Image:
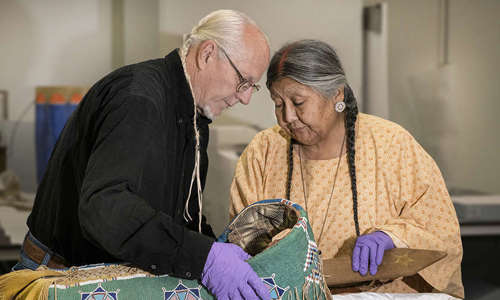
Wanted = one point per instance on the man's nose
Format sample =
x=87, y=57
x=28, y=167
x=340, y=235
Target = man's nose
x=244, y=97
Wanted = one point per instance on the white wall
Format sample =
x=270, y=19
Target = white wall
x=413, y=41
x=452, y=110
x=375, y=66
x=141, y=30
x=334, y=21
x=53, y=42
x=475, y=53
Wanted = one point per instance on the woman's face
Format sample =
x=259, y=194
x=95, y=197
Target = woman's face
x=302, y=112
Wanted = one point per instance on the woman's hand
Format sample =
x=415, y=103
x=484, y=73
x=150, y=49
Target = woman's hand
x=369, y=248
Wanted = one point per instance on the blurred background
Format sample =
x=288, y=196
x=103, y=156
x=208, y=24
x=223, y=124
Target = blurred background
x=429, y=65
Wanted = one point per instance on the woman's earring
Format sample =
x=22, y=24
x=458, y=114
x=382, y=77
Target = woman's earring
x=340, y=106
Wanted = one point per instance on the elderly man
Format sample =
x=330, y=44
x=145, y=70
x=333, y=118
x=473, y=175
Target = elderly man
x=125, y=179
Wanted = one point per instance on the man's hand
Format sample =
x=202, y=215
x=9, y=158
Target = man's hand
x=228, y=276
x=369, y=248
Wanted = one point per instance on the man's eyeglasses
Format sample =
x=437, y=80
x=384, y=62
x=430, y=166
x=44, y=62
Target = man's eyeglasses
x=244, y=84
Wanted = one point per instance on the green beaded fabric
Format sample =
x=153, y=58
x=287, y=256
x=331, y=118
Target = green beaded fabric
x=275, y=232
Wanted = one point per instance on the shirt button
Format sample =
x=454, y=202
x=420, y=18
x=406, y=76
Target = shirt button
x=153, y=267
x=188, y=274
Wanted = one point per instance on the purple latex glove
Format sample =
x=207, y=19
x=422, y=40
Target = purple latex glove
x=369, y=248
x=228, y=276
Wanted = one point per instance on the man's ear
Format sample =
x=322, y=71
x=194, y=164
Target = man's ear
x=206, y=54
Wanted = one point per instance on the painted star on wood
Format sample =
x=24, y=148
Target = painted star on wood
x=404, y=259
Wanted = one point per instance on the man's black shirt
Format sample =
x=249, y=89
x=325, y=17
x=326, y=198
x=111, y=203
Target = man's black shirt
x=118, y=178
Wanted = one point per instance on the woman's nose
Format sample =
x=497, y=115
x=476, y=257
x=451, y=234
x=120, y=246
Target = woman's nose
x=289, y=114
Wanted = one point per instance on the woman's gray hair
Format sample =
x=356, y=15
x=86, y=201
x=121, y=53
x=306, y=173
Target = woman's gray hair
x=224, y=26
x=310, y=62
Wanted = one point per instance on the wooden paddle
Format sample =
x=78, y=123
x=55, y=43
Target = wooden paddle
x=397, y=262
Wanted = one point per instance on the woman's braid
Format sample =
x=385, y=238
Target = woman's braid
x=350, y=125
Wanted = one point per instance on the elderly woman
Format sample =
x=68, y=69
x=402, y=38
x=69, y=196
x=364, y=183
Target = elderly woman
x=360, y=178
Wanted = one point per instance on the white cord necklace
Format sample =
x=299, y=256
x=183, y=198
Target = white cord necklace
x=331, y=193
x=196, y=168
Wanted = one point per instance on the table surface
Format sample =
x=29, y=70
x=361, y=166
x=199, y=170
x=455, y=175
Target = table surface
x=384, y=296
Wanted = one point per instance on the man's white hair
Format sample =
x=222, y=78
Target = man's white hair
x=224, y=26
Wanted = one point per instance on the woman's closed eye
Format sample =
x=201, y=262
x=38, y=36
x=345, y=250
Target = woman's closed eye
x=298, y=102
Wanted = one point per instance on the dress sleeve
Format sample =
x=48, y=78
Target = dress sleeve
x=247, y=185
x=112, y=213
x=423, y=216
